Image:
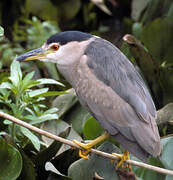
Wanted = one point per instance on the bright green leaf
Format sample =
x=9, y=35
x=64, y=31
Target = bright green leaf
x=1, y=31
x=38, y=92
x=6, y=85
x=15, y=73
x=33, y=138
x=29, y=76
x=92, y=128
x=52, y=110
x=7, y=122
x=49, y=81
x=53, y=93
x=43, y=118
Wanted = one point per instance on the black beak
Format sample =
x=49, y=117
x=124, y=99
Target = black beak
x=32, y=55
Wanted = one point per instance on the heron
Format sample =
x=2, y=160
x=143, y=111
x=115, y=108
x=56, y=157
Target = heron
x=109, y=86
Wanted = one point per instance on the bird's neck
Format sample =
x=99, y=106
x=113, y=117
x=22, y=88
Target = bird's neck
x=69, y=73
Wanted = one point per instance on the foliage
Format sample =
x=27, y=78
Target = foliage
x=1, y=31
x=32, y=97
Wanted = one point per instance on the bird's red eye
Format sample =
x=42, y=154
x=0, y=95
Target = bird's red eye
x=55, y=47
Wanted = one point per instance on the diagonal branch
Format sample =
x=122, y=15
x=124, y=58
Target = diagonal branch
x=70, y=143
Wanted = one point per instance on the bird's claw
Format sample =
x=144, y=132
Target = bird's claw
x=122, y=163
x=87, y=148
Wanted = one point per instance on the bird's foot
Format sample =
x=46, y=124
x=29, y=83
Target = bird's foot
x=122, y=163
x=87, y=147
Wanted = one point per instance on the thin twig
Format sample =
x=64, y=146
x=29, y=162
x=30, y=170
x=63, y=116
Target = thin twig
x=70, y=143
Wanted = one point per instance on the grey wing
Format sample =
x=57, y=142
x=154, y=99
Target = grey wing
x=119, y=98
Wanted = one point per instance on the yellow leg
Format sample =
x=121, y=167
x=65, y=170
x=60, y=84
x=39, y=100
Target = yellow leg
x=87, y=147
x=123, y=158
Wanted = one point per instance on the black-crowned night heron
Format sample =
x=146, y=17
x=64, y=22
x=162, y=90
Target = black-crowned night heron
x=108, y=85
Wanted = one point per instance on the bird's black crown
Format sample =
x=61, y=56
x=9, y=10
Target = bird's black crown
x=68, y=36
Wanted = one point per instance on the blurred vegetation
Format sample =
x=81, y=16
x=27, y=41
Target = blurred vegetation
x=38, y=94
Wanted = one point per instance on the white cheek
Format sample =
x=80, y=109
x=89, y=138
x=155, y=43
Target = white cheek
x=66, y=55
x=44, y=60
x=53, y=57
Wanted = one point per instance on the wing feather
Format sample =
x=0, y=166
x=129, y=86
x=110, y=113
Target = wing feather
x=117, y=97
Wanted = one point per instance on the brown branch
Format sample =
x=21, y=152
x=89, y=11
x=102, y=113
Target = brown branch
x=70, y=143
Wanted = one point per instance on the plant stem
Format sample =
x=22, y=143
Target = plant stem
x=13, y=130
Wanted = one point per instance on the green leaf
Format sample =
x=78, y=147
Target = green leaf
x=52, y=70
x=50, y=152
x=28, y=170
x=49, y=81
x=158, y=38
x=1, y=31
x=6, y=85
x=148, y=66
x=43, y=118
x=77, y=117
x=15, y=73
x=38, y=92
x=7, y=122
x=50, y=167
x=33, y=138
x=52, y=110
x=137, y=8
x=92, y=128
x=166, y=156
x=65, y=102
x=28, y=77
x=86, y=169
x=55, y=127
x=168, y=177
x=149, y=174
x=10, y=160
x=72, y=135
x=52, y=93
